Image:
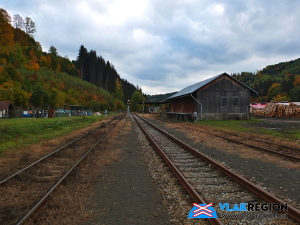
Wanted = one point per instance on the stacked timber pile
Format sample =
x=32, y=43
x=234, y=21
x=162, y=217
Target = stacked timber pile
x=277, y=110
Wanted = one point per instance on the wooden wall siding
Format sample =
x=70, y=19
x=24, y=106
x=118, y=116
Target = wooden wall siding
x=176, y=105
x=183, y=105
x=210, y=96
x=188, y=104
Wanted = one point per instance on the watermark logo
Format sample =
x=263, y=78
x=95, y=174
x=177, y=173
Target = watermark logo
x=236, y=207
x=202, y=211
x=239, y=210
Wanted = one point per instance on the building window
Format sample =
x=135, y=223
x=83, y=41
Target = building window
x=223, y=101
x=235, y=101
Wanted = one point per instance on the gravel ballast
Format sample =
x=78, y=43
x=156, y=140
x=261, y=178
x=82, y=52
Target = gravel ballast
x=283, y=182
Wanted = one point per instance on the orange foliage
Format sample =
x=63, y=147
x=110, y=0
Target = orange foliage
x=61, y=85
x=7, y=33
x=45, y=61
x=282, y=97
x=288, y=75
x=33, y=66
x=3, y=61
x=21, y=37
x=33, y=63
x=296, y=81
x=58, y=68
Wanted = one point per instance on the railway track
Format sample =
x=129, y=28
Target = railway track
x=210, y=182
x=23, y=192
x=285, y=151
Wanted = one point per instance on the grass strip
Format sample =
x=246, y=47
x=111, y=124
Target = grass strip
x=229, y=125
x=19, y=132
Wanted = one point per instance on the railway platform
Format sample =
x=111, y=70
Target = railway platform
x=126, y=193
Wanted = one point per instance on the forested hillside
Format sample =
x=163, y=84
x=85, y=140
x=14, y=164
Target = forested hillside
x=103, y=74
x=279, y=82
x=30, y=77
x=159, y=97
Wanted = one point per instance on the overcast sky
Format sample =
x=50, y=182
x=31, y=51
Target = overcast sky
x=166, y=45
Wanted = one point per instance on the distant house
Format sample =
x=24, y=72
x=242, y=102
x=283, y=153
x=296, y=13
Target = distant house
x=6, y=109
x=154, y=109
x=219, y=97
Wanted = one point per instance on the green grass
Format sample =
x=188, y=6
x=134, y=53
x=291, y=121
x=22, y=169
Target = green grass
x=229, y=125
x=285, y=134
x=19, y=132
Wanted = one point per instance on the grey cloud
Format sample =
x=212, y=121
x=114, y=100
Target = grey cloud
x=172, y=39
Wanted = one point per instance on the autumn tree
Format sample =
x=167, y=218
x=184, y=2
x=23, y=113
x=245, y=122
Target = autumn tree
x=13, y=91
x=296, y=81
x=282, y=97
x=33, y=61
x=29, y=26
x=274, y=90
x=18, y=24
x=6, y=30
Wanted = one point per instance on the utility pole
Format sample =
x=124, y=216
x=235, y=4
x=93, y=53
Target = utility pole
x=128, y=110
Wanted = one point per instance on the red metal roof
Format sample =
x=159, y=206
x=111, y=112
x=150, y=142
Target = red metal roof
x=5, y=105
x=260, y=105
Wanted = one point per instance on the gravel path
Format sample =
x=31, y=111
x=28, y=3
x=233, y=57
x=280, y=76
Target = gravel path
x=283, y=182
x=126, y=193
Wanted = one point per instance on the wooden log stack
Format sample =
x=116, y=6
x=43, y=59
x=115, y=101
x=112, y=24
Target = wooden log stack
x=277, y=110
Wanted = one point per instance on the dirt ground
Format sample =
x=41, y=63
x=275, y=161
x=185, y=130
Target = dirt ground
x=282, y=125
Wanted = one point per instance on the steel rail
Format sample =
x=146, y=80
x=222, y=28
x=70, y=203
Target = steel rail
x=27, y=216
x=190, y=189
x=256, y=147
x=40, y=160
x=260, y=148
x=45, y=157
x=292, y=211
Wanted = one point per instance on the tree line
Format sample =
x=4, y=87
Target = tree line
x=278, y=82
x=159, y=97
x=96, y=70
